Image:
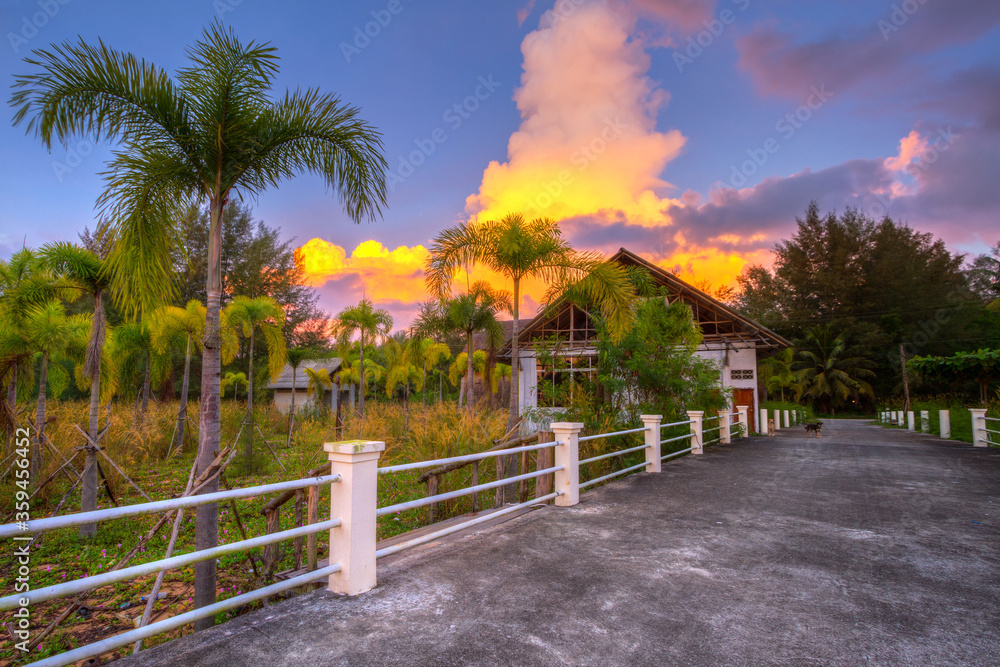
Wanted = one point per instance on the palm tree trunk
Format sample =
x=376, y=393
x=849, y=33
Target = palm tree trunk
x=510, y=461
x=249, y=450
x=423, y=393
x=361, y=399
x=291, y=411
x=515, y=376
x=88, y=488
x=183, y=409
x=207, y=516
x=470, y=382
x=36, y=453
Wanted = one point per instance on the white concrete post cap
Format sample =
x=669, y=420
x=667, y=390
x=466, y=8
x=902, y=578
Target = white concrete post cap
x=354, y=447
x=566, y=426
x=695, y=413
x=651, y=418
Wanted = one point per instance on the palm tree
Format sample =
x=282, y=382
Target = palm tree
x=233, y=380
x=319, y=381
x=135, y=358
x=24, y=283
x=86, y=271
x=247, y=316
x=55, y=337
x=831, y=370
x=778, y=374
x=519, y=249
x=210, y=134
x=367, y=321
x=424, y=352
x=170, y=325
x=472, y=312
x=294, y=357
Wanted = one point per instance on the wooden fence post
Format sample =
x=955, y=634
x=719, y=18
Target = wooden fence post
x=545, y=458
x=312, y=516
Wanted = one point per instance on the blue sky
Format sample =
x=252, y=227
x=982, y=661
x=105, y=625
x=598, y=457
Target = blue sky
x=703, y=87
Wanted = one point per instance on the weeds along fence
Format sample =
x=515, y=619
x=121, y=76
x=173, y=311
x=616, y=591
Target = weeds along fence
x=558, y=465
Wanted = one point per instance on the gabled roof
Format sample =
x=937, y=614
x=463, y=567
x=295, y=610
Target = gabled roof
x=718, y=322
x=284, y=380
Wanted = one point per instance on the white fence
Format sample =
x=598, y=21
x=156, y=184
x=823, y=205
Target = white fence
x=985, y=430
x=354, y=512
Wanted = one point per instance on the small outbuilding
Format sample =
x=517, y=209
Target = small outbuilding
x=282, y=387
x=729, y=339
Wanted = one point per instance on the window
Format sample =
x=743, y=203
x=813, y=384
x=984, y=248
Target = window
x=559, y=380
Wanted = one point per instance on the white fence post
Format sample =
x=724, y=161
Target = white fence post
x=567, y=455
x=353, y=499
x=743, y=420
x=762, y=428
x=652, y=435
x=788, y=422
x=795, y=416
x=696, y=440
x=911, y=423
x=725, y=431
x=900, y=418
x=978, y=427
x=925, y=421
x=945, y=417
x=777, y=419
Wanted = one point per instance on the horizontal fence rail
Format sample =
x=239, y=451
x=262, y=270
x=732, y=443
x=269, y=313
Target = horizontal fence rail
x=430, y=537
x=172, y=563
x=673, y=454
x=622, y=452
x=683, y=423
x=81, y=518
x=611, y=435
x=181, y=620
x=679, y=437
x=421, y=502
x=466, y=458
x=623, y=471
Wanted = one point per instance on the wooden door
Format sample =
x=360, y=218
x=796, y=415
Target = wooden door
x=745, y=397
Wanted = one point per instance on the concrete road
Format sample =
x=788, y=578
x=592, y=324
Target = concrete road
x=867, y=547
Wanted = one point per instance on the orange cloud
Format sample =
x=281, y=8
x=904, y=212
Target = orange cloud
x=910, y=147
x=388, y=275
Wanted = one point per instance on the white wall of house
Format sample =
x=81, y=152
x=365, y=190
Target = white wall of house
x=743, y=360
x=283, y=400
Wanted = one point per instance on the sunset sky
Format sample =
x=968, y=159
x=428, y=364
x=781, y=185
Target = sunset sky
x=691, y=132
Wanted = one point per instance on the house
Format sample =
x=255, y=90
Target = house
x=282, y=387
x=729, y=339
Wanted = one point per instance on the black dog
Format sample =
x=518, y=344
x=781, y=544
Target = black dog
x=815, y=427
